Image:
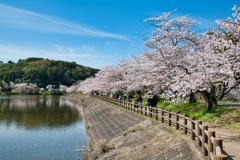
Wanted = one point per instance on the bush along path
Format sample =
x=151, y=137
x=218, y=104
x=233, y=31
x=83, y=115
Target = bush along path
x=115, y=133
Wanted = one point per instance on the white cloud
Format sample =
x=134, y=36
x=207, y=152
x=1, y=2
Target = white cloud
x=85, y=50
x=22, y=19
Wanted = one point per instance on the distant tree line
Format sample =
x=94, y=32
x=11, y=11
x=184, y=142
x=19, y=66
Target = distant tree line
x=44, y=72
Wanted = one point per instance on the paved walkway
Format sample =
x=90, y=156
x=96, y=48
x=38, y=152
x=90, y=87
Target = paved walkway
x=230, y=104
x=116, y=133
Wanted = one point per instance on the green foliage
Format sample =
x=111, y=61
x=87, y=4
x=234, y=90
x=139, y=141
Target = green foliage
x=193, y=110
x=31, y=92
x=44, y=71
x=220, y=115
x=138, y=128
x=144, y=102
x=56, y=92
x=106, y=147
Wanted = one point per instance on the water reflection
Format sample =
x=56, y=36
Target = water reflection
x=41, y=128
x=38, y=111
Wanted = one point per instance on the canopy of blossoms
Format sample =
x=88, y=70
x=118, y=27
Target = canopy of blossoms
x=178, y=61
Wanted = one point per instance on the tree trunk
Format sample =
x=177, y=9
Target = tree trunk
x=222, y=93
x=139, y=92
x=225, y=91
x=192, y=98
x=208, y=100
x=213, y=95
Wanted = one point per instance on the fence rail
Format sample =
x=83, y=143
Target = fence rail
x=211, y=145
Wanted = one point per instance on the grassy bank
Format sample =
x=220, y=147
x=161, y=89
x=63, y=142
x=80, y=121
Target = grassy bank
x=220, y=115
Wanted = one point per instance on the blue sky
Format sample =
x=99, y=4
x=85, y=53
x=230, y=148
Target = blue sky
x=94, y=33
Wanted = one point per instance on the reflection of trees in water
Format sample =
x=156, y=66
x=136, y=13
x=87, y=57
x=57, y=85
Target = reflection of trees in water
x=68, y=102
x=38, y=111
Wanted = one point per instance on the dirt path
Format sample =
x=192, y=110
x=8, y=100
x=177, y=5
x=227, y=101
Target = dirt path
x=116, y=133
x=231, y=140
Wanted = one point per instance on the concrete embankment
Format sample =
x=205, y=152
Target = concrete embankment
x=115, y=133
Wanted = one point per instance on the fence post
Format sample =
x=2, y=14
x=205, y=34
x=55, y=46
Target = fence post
x=204, y=140
x=193, y=129
x=150, y=113
x=185, y=123
x=218, y=142
x=169, y=117
x=221, y=157
x=162, y=115
x=210, y=144
x=156, y=111
x=177, y=121
x=199, y=133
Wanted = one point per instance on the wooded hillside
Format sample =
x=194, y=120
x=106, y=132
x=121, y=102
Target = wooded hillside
x=44, y=71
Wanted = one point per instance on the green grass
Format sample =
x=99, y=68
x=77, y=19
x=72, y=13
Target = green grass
x=225, y=116
x=133, y=130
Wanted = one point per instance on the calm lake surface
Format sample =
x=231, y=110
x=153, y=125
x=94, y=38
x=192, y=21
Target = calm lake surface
x=40, y=128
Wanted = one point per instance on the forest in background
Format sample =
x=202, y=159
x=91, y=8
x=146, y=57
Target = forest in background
x=44, y=72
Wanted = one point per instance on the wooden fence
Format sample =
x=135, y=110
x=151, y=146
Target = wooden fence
x=211, y=145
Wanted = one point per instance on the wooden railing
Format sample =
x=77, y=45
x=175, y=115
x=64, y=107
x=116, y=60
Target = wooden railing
x=211, y=145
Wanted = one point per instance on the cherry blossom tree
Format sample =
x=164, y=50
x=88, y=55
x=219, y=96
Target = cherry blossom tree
x=87, y=86
x=196, y=64
x=229, y=46
x=154, y=70
x=25, y=88
x=219, y=60
x=172, y=40
x=63, y=88
x=72, y=89
x=50, y=87
x=178, y=62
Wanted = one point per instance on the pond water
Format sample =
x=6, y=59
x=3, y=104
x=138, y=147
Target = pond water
x=41, y=128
